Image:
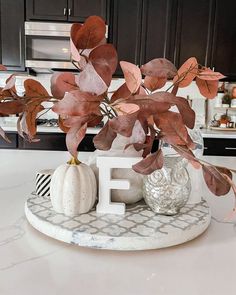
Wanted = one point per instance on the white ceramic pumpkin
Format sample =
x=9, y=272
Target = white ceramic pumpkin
x=73, y=188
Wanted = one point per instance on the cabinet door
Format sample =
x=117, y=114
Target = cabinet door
x=9, y=145
x=126, y=30
x=46, y=10
x=79, y=10
x=194, y=21
x=224, y=39
x=12, y=34
x=158, y=22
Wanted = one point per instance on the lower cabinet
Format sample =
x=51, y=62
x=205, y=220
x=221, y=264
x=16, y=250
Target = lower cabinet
x=47, y=141
x=9, y=145
x=220, y=147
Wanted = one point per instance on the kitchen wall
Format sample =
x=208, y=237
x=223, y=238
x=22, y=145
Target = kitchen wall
x=198, y=101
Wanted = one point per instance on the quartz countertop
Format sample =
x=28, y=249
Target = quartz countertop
x=206, y=133
x=32, y=263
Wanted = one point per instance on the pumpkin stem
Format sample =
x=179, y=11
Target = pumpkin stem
x=73, y=161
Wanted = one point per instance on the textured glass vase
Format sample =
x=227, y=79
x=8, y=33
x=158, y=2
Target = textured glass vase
x=167, y=190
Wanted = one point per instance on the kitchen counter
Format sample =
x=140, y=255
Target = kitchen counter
x=206, y=133
x=32, y=263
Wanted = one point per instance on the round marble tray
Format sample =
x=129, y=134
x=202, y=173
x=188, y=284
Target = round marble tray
x=138, y=229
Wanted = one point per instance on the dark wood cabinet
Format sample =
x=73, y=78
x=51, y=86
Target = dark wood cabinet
x=65, y=10
x=223, y=57
x=12, y=34
x=158, y=29
x=220, y=147
x=125, y=30
x=9, y=145
x=55, y=10
x=79, y=10
x=193, y=31
x=55, y=142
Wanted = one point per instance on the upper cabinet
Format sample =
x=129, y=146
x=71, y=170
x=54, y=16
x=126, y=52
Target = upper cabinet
x=158, y=23
x=65, y=10
x=193, y=31
x=12, y=34
x=55, y=10
x=223, y=56
x=125, y=30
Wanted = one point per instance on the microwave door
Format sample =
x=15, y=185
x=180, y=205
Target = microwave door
x=47, y=46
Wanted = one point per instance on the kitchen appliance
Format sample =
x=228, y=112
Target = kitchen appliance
x=48, y=45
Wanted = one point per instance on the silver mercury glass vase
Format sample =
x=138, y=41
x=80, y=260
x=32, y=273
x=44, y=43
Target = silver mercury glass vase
x=167, y=190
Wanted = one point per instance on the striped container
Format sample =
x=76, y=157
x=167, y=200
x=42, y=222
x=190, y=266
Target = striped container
x=43, y=179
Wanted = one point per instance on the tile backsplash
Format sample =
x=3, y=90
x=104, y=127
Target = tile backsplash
x=198, y=101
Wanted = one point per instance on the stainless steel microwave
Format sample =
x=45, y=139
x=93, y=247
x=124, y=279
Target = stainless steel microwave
x=48, y=45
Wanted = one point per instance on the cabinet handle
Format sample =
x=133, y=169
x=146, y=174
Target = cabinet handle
x=64, y=11
x=230, y=148
x=205, y=148
x=69, y=11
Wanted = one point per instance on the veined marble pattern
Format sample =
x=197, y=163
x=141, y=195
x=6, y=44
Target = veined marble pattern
x=139, y=228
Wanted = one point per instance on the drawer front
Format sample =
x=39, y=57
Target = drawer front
x=12, y=145
x=220, y=147
x=56, y=142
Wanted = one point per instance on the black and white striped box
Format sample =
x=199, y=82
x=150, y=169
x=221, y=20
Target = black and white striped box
x=43, y=180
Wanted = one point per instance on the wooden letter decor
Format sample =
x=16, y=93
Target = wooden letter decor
x=105, y=165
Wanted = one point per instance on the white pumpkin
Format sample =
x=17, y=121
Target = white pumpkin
x=73, y=188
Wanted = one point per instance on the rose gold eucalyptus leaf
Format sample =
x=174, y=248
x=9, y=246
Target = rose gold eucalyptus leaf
x=154, y=83
x=132, y=75
x=186, y=73
x=90, y=81
x=215, y=180
x=91, y=33
x=151, y=163
x=104, y=139
x=62, y=83
x=159, y=67
x=207, y=88
x=74, y=137
x=35, y=89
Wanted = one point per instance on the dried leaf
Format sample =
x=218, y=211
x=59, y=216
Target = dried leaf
x=31, y=113
x=35, y=89
x=104, y=56
x=91, y=33
x=187, y=113
x=62, y=83
x=74, y=137
x=215, y=181
x=104, y=139
x=124, y=124
x=126, y=108
x=121, y=92
x=10, y=83
x=187, y=72
x=132, y=75
x=186, y=153
x=154, y=83
x=150, y=163
x=90, y=81
x=61, y=125
x=208, y=74
x=2, y=68
x=172, y=128
x=73, y=31
x=159, y=67
x=11, y=107
x=77, y=103
x=3, y=134
x=207, y=88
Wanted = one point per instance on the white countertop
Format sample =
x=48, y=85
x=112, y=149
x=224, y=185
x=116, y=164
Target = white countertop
x=31, y=263
x=206, y=133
